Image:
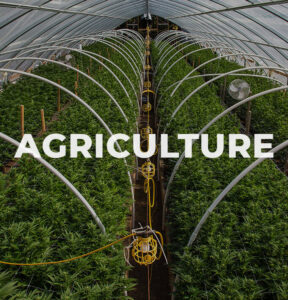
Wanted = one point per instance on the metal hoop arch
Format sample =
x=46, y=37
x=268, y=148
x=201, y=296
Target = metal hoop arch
x=217, y=58
x=93, y=58
x=208, y=75
x=178, y=60
x=60, y=176
x=102, y=122
x=116, y=38
x=81, y=51
x=228, y=188
x=212, y=80
x=187, y=46
x=75, y=70
x=88, y=54
x=221, y=196
x=179, y=161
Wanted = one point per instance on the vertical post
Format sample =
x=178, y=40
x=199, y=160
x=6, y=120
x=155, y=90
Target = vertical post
x=88, y=71
x=59, y=97
x=248, y=118
x=76, y=88
x=22, y=119
x=43, y=121
x=77, y=73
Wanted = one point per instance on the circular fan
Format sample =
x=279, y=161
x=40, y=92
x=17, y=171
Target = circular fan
x=239, y=89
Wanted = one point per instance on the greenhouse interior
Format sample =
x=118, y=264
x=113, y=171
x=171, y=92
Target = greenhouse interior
x=144, y=149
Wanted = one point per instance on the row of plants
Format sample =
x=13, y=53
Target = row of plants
x=241, y=251
x=41, y=220
x=269, y=112
x=36, y=95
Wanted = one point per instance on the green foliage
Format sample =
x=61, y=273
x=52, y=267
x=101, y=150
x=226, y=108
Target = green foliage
x=269, y=113
x=241, y=251
x=41, y=220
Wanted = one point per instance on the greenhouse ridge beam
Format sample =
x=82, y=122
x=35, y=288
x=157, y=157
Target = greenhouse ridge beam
x=233, y=9
x=55, y=10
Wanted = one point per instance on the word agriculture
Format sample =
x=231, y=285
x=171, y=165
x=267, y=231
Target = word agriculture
x=81, y=143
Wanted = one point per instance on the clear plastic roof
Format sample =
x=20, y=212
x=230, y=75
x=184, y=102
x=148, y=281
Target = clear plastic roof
x=254, y=26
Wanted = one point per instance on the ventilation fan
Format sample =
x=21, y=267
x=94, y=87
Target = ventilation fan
x=239, y=89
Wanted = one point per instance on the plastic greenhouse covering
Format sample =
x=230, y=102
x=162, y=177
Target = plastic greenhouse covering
x=105, y=193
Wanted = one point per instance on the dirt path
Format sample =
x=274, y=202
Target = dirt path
x=158, y=272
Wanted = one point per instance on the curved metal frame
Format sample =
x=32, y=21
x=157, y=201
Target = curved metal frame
x=179, y=59
x=179, y=161
x=70, y=186
x=212, y=80
x=126, y=39
x=76, y=50
x=137, y=47
x=87, y=54
x=93, y=58
x=228, y=189
x=62, y=40
x=117, y=48
x=125, y=55
x=114, y=46
x=187, y=46
x=217, y=58
x=174, y=37
x=102, y=122
x=75, y=70
x=100, y=35
x=208, y=75
x=225, y=25
x=168, y=50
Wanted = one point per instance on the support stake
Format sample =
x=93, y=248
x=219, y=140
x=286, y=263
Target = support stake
x=77, y=73
x=43, y=121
